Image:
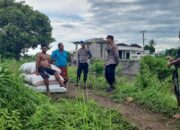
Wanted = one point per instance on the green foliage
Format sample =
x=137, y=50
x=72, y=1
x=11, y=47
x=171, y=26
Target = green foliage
x=151, y=88
x=72, y=73
x=23, y=108
x=97, y=82
x=171, y=52
x=6, y=3
x=77, y=115
x=152, y=42
x=21, y=28
x=10, y=120
x=155, y=66
x=15, y=96
x=98, y=68
x=151, y=47
x=154, y=93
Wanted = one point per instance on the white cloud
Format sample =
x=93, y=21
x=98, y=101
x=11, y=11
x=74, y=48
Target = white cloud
x=59, y=6
x=82, y=19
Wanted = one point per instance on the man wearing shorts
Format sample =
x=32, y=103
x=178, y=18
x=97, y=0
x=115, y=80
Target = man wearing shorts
x=43, y=67
x=60, y=56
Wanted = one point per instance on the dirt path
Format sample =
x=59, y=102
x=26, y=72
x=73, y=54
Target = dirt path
x=133, y=113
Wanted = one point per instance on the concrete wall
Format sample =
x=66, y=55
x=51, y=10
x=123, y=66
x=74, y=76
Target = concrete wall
x=129, y=67
x=96, y=51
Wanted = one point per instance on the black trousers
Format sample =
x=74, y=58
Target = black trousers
x=110, y=74
x=82, y=67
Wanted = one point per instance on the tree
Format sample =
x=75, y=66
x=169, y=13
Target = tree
x=152, y=43
x=172, y=52
x=21, y=28
x=150, y=47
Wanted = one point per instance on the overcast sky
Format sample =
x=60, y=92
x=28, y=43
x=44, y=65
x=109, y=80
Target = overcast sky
x=83, y=19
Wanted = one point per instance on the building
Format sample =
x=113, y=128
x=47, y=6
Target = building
x=132, y=52
x=96, y=45
x=126, y=52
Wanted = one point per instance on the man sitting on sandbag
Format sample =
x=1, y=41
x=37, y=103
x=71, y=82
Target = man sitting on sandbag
x=43, y=67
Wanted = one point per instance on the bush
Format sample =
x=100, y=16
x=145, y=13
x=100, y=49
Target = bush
x=156, y=66
x=151, y=88
x=98, y=68
x=154, y=94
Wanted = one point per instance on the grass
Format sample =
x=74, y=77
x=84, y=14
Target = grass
x=151, y=88
x=94, y=81
x=77, y=114
x=23, y=108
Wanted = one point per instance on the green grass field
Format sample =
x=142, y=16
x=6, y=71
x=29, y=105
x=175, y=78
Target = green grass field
x=152, y=88
x=24, y=109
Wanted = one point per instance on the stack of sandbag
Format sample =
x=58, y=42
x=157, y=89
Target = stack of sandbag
x=37, y=82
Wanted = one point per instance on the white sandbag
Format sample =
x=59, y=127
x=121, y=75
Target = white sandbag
x=30, y=68
x=26, y=77
x=52, y=88
x=37, y=80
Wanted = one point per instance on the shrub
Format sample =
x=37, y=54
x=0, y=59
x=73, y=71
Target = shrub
x=153, y=83
x=150, y=88
x=98, y=68
x=156, y=66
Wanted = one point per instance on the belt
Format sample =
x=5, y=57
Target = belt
x=82, y=61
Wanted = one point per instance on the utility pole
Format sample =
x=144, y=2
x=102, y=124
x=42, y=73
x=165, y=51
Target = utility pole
x=143, y=36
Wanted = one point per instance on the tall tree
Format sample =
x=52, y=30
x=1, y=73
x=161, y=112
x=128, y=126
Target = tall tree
x=151, y=47
x=21, y=28
x=152, y=43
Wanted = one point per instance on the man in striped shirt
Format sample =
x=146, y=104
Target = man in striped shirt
x=84, y=55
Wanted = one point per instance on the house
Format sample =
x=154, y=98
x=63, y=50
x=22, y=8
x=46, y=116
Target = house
x=97, y=47
x=126, y=52
x=131, y=52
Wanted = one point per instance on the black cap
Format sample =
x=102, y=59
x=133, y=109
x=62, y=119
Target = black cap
x=110, y=37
